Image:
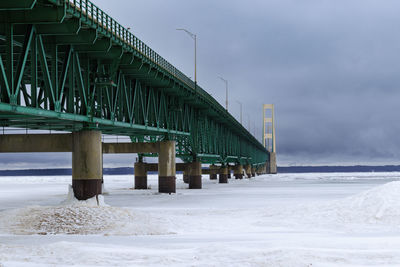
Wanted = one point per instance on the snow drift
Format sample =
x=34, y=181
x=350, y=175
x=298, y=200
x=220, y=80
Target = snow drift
x=72, y=216
x=379, y=205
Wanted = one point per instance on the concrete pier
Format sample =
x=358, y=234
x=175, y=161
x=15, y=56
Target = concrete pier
x=259, y=170
x=272, y=163
x=238, y=172
x=223, y=175
x=140, y=175
x=213, y=172
x=186, y=173
x=166, y=167
x=248, y=171
x=87, y=169
x=195, y=175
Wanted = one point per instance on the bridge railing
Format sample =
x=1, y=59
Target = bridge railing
x=98, y=17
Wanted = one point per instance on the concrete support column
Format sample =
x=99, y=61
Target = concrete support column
x=213, y=172
x=223, y=175
x=248, y=171
x=272, y=163
x=238, y=171
x=186, y=174
x=140, y=175
x=166, y=167
x=195, y=175
x=87, y=170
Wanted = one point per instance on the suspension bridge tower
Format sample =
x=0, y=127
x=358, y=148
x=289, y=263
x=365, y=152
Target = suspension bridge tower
x=269, y=135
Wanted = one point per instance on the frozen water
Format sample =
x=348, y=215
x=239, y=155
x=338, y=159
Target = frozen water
x=272, y=220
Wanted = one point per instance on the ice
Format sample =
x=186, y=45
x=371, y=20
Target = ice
x=72, y=201
x=379, y=205
x=72, y=216
x=271, y=220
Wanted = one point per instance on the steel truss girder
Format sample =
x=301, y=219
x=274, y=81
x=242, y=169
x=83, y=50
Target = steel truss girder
x=80, y=76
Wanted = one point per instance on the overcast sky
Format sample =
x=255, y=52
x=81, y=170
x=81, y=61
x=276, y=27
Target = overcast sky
x=331, y=67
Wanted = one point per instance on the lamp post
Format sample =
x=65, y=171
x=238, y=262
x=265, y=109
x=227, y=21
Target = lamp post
x=194, y=37
x=248, y=122
x=240, y=103
x=226, y=89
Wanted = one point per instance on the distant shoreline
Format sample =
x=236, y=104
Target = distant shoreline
x=130, y=170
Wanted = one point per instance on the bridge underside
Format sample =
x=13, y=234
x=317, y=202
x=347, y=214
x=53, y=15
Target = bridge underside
x=65, y=65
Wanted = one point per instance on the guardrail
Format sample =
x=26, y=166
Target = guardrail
x=98, y=17
x=93, y=13
x=101, y=19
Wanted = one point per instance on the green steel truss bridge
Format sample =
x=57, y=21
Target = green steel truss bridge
x=66, y=65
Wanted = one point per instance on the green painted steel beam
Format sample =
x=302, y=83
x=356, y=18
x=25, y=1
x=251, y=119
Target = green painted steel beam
x=68, y=27
x=42, y=15
x=17, y=4
x=96, y=74
x=84, y=37
x=100, y=45
x=21, y=110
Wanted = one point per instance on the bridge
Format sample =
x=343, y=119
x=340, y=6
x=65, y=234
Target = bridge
x=67, y=66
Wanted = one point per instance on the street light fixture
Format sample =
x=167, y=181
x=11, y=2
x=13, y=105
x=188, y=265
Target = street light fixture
x=226, y=86
x=194, y=37
x=240, y=103
x=248, y=122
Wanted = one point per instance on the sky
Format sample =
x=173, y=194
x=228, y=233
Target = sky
x=329, y=66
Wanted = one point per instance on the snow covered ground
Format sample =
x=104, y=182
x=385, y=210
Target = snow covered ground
x=332, y=219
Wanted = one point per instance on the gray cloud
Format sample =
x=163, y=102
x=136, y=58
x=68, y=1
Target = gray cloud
x=331, y=67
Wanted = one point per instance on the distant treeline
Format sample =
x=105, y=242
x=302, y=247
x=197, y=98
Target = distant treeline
x=129, y=170
x=305, y=169
x=57, y=172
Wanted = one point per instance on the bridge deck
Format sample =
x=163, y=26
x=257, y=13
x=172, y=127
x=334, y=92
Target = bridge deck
x=66, y=65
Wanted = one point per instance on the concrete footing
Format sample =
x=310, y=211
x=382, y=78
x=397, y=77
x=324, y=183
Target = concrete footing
x=238, y=172
x=87, y=165
x=223, y=175
x=140, y=175
x=186, y=173
x=272, y=163
x=166, y=167
x=213, y=172
x=185, y=177
x=195, y=175
x=247, y=169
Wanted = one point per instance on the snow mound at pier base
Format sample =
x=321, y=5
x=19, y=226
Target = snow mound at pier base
x=76, y=217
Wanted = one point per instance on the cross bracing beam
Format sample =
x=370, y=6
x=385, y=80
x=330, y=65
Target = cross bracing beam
x=83, y=70
x=27, y=143
x=68, y=27
x=42, y=15
x=17, y=5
